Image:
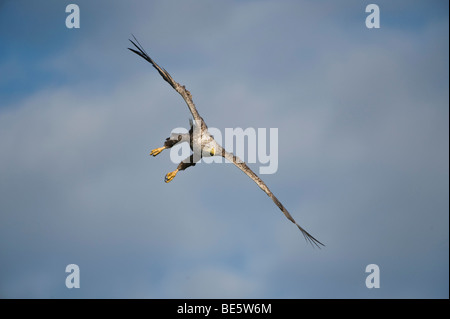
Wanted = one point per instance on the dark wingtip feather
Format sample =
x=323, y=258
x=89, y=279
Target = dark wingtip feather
x=309, y=238
x=142, y=53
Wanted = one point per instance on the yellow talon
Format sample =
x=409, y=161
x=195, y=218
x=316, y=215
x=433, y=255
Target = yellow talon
x=156, y=151
x=170, y=176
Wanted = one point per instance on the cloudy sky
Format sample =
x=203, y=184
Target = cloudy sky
x=363, y=156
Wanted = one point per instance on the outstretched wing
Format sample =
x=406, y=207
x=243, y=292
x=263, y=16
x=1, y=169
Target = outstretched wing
x=166, y=76
x=243, y=167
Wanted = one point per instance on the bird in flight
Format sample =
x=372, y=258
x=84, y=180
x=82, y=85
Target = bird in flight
x=202, y=143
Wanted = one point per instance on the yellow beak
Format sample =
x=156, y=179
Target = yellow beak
x=212, y=152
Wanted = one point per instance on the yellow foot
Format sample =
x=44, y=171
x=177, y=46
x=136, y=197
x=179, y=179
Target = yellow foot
x=156, y=151
x=170, y=176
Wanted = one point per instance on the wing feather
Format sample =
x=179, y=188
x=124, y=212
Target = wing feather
x=243, y=167
x=181, y=89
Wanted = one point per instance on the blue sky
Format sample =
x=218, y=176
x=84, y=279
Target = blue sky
x=363, y=158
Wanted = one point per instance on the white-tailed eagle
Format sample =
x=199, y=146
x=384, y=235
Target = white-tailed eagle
x=202, y=143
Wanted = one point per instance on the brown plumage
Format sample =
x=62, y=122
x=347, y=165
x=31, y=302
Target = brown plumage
x=203, y=144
